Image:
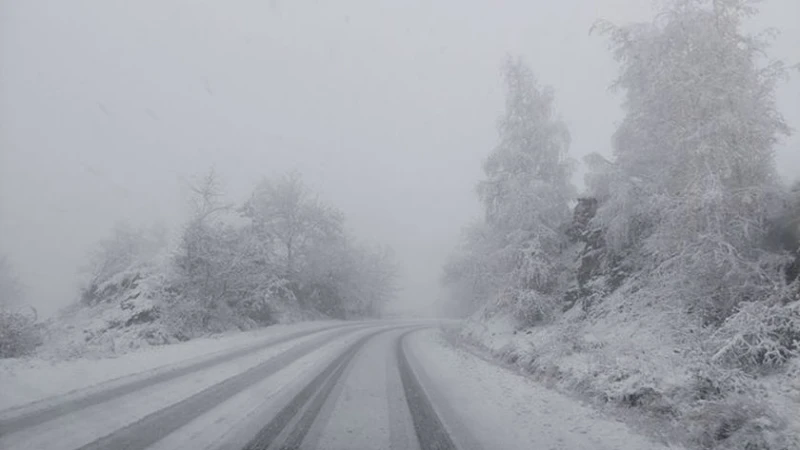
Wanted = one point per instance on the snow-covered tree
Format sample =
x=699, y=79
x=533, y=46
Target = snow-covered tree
x=207, y=207
x=693, y=179
x=323, y=266
x=212, y=264
x=282, y=251
x=346, y=280
x=525, y=196
x=289, y=214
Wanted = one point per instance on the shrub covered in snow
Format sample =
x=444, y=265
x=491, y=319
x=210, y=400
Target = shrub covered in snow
x=19, y=334
x=759, y=337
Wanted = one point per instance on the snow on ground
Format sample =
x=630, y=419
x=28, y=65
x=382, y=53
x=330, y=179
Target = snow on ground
x=355, y=407
x=488, y=398
x=616, y=353
x=232, y=423
x=648, y=364
x=371, y=385
x=84, y=426
x=26, y=380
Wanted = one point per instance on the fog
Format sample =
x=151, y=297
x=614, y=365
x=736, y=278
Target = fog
x=107, y=107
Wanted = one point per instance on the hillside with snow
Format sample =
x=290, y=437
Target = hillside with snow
x=280, y=257
x=670, y=296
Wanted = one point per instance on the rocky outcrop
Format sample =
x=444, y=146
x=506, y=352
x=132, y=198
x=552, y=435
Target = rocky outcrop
x=598, y=272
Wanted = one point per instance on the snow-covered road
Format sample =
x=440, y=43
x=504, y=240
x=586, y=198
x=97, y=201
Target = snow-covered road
x=389, y=385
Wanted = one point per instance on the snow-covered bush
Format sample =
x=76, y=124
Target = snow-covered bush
x=759, y=337
x=528, y=307
x=738, y=422
x=188, y=320
x=19, y=334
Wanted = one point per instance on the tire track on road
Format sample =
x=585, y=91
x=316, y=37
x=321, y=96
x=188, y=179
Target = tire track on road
x=151, y=428
x=430, y=430
x=288, y=429
x=37, y=416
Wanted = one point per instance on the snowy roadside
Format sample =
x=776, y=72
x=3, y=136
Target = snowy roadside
x=648, y=370
x=30, y=379
x=488, y=398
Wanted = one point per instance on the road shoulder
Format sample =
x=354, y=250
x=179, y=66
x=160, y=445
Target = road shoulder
x=487, y=398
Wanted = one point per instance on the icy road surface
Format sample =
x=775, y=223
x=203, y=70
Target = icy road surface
x=392, y=385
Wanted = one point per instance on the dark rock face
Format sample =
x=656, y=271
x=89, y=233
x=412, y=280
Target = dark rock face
x=582, y=215
x=94, y=294
x=793, y=269
x=783, y=235
x=591, y=258
x=789, y=231
x=598, y=272
x=143, y=316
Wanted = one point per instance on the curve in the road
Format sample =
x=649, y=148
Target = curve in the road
x=33, y=415
x=288, y=429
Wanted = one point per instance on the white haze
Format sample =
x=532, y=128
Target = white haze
x=388, y=108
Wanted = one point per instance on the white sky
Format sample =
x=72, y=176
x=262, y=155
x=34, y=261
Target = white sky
x=387, y=107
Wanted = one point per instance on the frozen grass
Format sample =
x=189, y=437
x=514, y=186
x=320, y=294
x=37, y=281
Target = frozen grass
x=651, y=366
